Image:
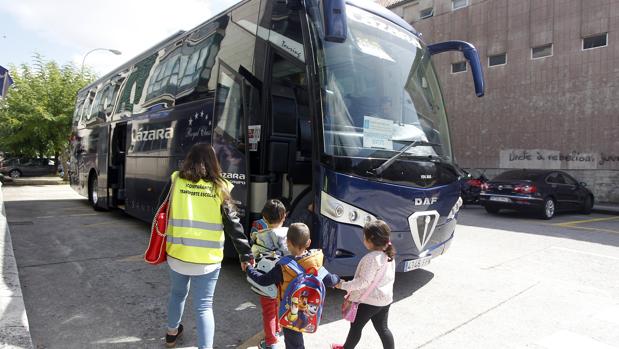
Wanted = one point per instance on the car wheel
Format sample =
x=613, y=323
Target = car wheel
x=549, y=208
x=492, y=209
x=15, y=173
x=587, y=205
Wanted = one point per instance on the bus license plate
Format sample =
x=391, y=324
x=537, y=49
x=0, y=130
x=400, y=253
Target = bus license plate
x=416, y=263
x=499, y=199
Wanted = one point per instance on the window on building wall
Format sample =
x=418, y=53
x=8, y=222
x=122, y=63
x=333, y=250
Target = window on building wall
x=426, y=13
x=457, y=4
x=595, y=41
x=497, y=59
x=541, y=51
x=458, y=67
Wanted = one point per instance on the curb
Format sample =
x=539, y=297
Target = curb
x=606, y=210
x=14, y=327
x=34, y=181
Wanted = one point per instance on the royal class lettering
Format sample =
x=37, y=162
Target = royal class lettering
x=425, y=201
x=152, y=135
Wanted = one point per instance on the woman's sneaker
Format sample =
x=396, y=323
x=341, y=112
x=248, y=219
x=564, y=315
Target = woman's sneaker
x=170, y=340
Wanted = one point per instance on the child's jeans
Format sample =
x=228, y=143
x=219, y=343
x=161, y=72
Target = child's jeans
x=203, y=289
x=293, y=339
x=270, y=322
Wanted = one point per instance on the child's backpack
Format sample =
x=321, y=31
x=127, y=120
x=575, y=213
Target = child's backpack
x=301, y=306
x=264, y=264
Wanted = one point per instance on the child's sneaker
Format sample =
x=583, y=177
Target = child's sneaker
x=170, y=340
x=263, y=345
x=337, y=346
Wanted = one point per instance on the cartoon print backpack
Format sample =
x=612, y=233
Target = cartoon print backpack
x=301, y=306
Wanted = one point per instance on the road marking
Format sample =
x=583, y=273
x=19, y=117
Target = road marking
x=584, y=252
x=587, y=221
x=136, y=258
x=64, y=216
x=576, y=224
x=570, y=340
x=100, y=224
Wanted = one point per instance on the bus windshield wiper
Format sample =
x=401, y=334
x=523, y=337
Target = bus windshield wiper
x=380, y=169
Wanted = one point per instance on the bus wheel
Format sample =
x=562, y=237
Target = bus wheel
x=93, y=195
x=302, y=209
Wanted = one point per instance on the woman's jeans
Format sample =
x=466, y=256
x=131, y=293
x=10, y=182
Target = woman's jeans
x=203, y=288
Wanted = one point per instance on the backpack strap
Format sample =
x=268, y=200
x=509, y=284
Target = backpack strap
x=291, y=263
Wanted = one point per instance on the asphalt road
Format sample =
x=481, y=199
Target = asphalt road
x=508, y=281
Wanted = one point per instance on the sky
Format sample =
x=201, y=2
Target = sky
x=65, y=30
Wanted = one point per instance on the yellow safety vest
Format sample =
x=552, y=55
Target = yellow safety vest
x=195, y=226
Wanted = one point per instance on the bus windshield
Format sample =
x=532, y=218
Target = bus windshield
x=380, y=92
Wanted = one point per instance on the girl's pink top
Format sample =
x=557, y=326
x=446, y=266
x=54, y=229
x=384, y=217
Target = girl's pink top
x=368, y=268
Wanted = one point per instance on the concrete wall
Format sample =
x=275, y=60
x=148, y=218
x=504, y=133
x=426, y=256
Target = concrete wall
x=565, y=106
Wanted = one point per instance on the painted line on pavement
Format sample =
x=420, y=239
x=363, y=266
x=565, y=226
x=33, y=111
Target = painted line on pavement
x=583, y=221
x=577, y=224
x=584, y=252
x=69, y=215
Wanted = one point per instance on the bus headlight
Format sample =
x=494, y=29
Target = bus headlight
x=342, y=212
x=455, y=209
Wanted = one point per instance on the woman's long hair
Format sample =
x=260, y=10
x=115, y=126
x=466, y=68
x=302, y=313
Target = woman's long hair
x=201, y=163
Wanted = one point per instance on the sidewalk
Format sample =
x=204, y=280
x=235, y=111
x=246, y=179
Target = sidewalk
x=606, y=208
x=14, y=328
x=48, y=180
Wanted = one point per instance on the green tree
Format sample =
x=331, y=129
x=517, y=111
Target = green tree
x=36, y=115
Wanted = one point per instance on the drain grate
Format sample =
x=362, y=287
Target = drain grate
x=20, y=222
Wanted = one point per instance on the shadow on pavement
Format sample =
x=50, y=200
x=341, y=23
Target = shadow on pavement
x=520, y=222
x=405, y=285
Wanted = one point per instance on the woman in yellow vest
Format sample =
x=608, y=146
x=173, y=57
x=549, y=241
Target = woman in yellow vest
x=200, y=214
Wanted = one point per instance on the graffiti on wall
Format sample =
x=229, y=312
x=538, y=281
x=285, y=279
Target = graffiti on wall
x=554, y=159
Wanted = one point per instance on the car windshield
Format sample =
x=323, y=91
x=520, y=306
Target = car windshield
x=379, y=91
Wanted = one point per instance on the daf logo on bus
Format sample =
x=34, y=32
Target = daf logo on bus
x=425, y=201
x=152, y=135
x=422, y=225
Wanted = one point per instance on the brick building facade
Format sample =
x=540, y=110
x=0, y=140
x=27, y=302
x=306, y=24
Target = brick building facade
x=552, y=84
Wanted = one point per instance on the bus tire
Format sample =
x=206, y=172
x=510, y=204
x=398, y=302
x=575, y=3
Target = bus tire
x=93, y=195
x=300, y=212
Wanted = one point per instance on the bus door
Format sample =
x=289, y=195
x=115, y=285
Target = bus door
x=117, y=164
x=230, y=136
x=290, y=139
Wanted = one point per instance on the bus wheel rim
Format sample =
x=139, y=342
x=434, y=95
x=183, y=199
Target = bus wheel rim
x=94, y=194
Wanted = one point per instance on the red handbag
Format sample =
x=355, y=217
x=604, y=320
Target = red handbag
x=156, y=251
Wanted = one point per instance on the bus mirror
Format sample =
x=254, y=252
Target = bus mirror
x=470, y=53
x=335, y=20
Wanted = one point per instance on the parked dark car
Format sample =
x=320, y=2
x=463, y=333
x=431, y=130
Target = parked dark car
x=544, y=192
x=18, y=167
x=471, y=185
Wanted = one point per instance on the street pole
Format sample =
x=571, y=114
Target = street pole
x=116, y=52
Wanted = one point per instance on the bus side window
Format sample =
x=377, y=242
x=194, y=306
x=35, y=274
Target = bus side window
x=98, y=105
x=78, y=109
x=199, y=52
x=86, y=115
x=132, y=91
x=286, y=21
